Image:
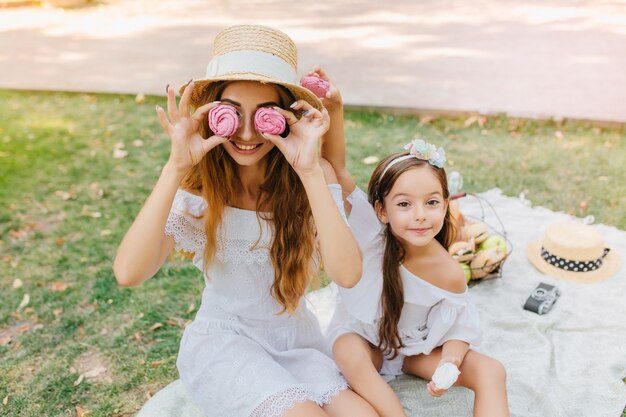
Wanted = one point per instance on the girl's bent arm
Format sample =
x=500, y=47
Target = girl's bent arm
x=145, y=246
x=340, y=252
x=454, y=351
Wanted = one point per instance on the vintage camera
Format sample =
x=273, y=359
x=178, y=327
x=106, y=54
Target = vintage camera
x=542, y=298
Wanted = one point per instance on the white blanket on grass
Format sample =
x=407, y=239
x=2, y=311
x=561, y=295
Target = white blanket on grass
x=568, y=363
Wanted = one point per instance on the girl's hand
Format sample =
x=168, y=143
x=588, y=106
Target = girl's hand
x=300, y=147
x=432, y=387
x=333, y=97
x=434, y=391
x=188, y=147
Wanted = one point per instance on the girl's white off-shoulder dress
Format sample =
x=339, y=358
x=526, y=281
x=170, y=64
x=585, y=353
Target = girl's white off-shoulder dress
x=430, y=316
x=238, y=357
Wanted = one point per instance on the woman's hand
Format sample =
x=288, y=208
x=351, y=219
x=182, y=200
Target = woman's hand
x=333, y=96
x=188, y=147
x=301, y=146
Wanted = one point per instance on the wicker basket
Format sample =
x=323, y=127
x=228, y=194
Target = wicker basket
x=495, y=269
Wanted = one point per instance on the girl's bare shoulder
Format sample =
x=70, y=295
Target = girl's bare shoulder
x=441, y=270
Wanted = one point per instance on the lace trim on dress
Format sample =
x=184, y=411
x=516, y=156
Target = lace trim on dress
x=186, y=235
x=277, y=404
x=329, y=395
x=242, y=250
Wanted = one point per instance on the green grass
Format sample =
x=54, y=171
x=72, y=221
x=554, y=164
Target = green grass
x=57, y=171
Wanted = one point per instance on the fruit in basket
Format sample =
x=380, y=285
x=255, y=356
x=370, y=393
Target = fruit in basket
x=462, y=251
x=485, y=262
x=493, y=241
x=478, y=231
x=467, y=272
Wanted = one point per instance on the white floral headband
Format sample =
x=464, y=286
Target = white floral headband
x=419, y=149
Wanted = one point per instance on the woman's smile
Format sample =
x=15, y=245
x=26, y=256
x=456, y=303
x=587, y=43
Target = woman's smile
x=245, y=148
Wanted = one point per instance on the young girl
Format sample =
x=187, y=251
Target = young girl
x=410, y=312
x=255, y=211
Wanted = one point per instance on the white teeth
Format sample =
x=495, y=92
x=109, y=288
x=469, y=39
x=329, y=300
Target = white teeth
x=245, y=147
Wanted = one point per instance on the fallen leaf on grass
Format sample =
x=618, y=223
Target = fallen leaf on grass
x=80, y=379
x=10, y=333
x=95, y=192
x=120, y=154
x=191, y=308
x=155, y=326
x=481, y=120
x=424, y=120
x=155, y=364
x=65, y=195
x=59, y=286
x=140, y=98
x=59, y=242
x=93, y=214
x=370, y=160
x=95, y=372
x=138, y=143
x=24, y=302
x=105, y=232
x=57, y=312
x=80, y=412
x=5, y=400
x=17, y=283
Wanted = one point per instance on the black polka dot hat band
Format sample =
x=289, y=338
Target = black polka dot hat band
x=575, y=266
x=573, y=251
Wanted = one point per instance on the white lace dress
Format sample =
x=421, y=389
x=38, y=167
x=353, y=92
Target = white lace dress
x=430, y=315
x=238, y=358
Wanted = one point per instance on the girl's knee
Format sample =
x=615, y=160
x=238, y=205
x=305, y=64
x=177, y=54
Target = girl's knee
x=493, y=369
x=350, y=350
x=483, y=370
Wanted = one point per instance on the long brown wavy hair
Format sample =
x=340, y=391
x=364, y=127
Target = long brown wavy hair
x=392, y=297
x=282, y=202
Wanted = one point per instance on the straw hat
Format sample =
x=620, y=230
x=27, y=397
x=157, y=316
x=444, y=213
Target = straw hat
x=253, y=53
x=573, y=251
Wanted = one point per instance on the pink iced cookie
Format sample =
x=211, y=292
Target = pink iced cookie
x=223, y=120
x=268, y=120
x=318, y=86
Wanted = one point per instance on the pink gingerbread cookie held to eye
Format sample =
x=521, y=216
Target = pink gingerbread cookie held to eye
x=318, y=86
x=223, y=120
x=268, y=120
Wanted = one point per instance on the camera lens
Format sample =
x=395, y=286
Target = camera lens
x=540, y=293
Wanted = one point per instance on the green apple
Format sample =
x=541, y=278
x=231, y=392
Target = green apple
x=493, y=241
x=467, y=271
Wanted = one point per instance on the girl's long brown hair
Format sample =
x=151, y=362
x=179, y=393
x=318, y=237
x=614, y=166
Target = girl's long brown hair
x=392, y=297
x=282, y=197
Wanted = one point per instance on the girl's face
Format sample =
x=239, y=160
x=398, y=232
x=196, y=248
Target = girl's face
x=415, y=207
x=247, y=147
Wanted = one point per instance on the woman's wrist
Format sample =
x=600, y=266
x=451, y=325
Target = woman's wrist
x=311, y=175
x=172, y=172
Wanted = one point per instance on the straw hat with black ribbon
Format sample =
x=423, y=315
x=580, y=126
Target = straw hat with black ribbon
x=252, y=53
x=573, y=251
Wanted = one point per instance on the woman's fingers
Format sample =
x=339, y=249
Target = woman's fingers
x=290, y=118
x=308, y=110
x=201, y=112
x=185, y=99
x=276, y=140
x=172, y=109
x=211, y=143
x=165, y=124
